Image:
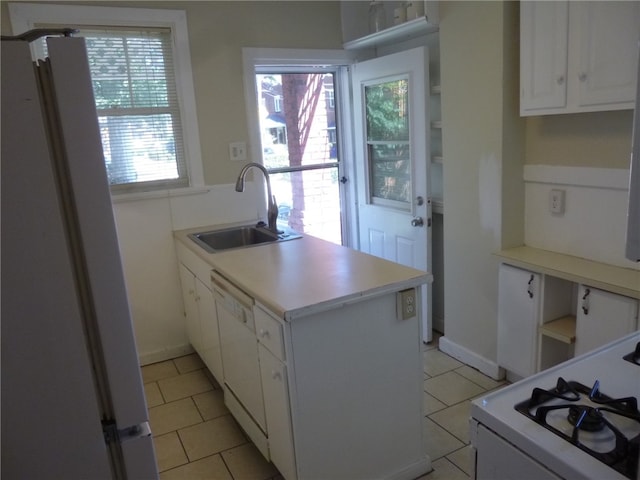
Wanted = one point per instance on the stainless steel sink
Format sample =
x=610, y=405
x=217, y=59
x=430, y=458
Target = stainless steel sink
x=239, y=237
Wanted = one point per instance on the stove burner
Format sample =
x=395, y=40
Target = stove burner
x=588, y=419
x=573, y=398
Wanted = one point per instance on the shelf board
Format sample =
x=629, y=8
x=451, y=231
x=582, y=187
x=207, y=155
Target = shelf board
x=562, y=329
x=410, y=29
x=436, y=124
x=436, y=159
x=436, y=89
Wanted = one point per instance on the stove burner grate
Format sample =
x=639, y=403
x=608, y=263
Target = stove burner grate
x=624, y=456
x=633, y=357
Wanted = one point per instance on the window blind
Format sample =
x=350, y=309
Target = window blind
x=137, y=104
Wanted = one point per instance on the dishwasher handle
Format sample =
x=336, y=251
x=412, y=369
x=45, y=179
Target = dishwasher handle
x=227, y=288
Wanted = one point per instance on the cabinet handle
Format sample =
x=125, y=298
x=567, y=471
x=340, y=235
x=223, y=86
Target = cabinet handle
x=276, y=375
x=582, y=77
x=264, y=333
x=530, y=287
x=585, y=301
x=560, y=80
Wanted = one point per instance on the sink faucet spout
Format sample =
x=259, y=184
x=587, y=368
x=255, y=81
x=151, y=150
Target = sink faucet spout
x=272, y=206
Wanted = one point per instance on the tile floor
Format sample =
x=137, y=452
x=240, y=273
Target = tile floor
x=196, y=438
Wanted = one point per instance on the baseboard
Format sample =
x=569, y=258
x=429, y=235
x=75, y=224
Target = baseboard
x=488, y=367
x=165, y=354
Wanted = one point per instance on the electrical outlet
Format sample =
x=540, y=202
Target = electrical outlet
x=406, y=303
x=556, y=201
x=238, y=151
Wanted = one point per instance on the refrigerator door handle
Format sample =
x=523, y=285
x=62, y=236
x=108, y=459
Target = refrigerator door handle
x=114, y=435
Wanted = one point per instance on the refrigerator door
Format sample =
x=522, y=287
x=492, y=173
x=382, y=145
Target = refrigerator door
x=70, y=374
x=50, y=411
x=109, y=319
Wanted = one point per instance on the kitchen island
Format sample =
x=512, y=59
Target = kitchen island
x=318, y=363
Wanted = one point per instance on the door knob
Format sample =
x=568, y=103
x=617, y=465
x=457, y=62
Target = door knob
x=417, y=222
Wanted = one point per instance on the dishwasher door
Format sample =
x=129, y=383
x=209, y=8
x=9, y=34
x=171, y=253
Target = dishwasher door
x=239, y=346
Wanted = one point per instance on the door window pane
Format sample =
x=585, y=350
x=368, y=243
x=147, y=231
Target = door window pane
x=387, y=133
x=390, y=171
x=387, y=111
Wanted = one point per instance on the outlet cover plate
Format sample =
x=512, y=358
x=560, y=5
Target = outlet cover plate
x=556, y=201
x=238, y=151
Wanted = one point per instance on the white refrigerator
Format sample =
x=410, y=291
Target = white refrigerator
x=73, y=402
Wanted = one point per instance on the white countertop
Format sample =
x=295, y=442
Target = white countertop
x=623, y=281
x=307, y=275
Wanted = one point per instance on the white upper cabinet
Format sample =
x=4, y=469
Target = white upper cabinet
x=578, y=56
x=543, y=56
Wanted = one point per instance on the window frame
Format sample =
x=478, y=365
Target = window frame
x=24, y=17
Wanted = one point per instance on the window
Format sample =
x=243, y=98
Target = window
x=142, y=88
x=277, y=100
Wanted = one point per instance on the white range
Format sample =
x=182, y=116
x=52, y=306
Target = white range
x=528, y=430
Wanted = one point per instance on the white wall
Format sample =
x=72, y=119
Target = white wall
x=483, y=158
x=593, y=224
x=145, y=233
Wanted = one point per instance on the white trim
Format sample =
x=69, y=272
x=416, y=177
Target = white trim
x=488, y=367
x=24, y=17
x=612, y=178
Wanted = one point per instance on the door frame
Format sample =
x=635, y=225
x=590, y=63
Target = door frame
x=291, y=60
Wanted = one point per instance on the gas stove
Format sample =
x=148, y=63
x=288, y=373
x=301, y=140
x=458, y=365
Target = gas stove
x=606, y=428
x=579, y=419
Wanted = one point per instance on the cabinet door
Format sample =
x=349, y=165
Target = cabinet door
x=518, y=307
x=211, y=354
x=189, y=295
x=607, y=35
x=543, y=55
x=603, y=317
x=278, y=412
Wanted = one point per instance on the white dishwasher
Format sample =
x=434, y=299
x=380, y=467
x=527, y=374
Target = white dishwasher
x=239, y=346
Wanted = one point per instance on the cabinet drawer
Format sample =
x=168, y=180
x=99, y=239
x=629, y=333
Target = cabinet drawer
x=269, y=332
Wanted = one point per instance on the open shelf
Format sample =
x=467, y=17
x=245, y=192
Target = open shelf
x=562, y=329
x=411, y=29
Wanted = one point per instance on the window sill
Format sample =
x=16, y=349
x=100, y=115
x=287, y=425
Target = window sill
x=177, y=192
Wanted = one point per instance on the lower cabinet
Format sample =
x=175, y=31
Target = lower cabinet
x=602, y=317
x=518, y=312
x=544, y=320
x=278, y=412
x=191, y=313
x=201, y=320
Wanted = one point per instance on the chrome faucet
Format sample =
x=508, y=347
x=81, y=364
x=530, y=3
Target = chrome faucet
x=272, y=207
